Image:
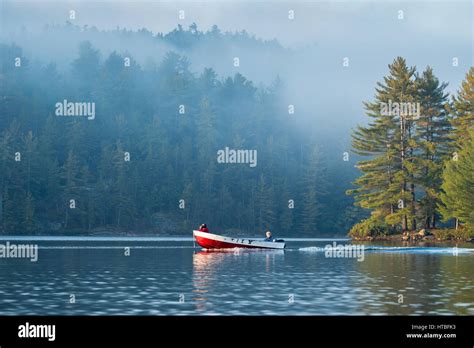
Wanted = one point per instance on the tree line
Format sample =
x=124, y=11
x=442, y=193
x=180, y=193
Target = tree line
x=147, y=162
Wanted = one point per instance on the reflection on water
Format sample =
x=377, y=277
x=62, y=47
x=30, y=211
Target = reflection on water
x=172, y=278
x=207, y=268
x=203, y=264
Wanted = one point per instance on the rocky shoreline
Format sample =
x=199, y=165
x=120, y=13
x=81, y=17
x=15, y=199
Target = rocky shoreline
x=435, y=235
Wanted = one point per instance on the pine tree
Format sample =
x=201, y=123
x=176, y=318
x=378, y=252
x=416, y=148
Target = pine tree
x=314, y=184
x=265, y=205
x=286, y=216
x=50, y=172
x=12, y=181
x=187, y=195
x=387, y=185
x=121, y=195
x=458, y=184
x=91, y=200
x=85, y=69
x=29, y=211
x=31, y=179
x=105, y=184
x=463, y=109
x=71, y=189
x=207, y=141
x=6, y=151
x=462, y=119
x=433, y=129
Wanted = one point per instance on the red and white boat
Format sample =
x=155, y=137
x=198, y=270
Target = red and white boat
x=213, y=241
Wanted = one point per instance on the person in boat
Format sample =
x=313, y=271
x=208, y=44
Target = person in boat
x=268, y=236
x=203, y=228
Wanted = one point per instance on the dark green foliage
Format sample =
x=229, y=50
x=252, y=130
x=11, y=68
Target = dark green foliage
x=402, y=180
x=457, y=197
x=463, y=109
x=433, y=144
x=385, y=186
x=173, y=155
x=371, y=227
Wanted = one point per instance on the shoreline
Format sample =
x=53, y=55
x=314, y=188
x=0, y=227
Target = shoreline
x=432, y=236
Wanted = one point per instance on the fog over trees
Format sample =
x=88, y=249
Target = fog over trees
x=96, y=138
x=147, y=159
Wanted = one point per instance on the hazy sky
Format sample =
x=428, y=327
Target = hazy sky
x=314, y=21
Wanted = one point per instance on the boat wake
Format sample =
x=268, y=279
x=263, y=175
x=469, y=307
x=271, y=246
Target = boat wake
x=401, y=250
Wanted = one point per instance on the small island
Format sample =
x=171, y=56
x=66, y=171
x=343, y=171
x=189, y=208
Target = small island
x=418, y=180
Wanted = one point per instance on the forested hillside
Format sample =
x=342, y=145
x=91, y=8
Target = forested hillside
x=146, y=162
x=142, y=155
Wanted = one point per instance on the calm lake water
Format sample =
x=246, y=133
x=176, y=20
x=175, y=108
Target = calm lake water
x=168, y=276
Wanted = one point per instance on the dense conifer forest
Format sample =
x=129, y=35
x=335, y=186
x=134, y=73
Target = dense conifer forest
x=140, y=154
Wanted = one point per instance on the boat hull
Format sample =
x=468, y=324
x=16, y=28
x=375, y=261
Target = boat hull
x=214, y=241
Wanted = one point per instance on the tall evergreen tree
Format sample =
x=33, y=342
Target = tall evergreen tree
x=85, y=69
x=265, y=206
x=314, y=185
x=433, y=129
x=12, y=179
x=71, y=190
x=387, y=184
x=462, y=121
x=463, y=109
x=287, y=208
x=457, y=197
x=123, y=202
x=31, y=180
